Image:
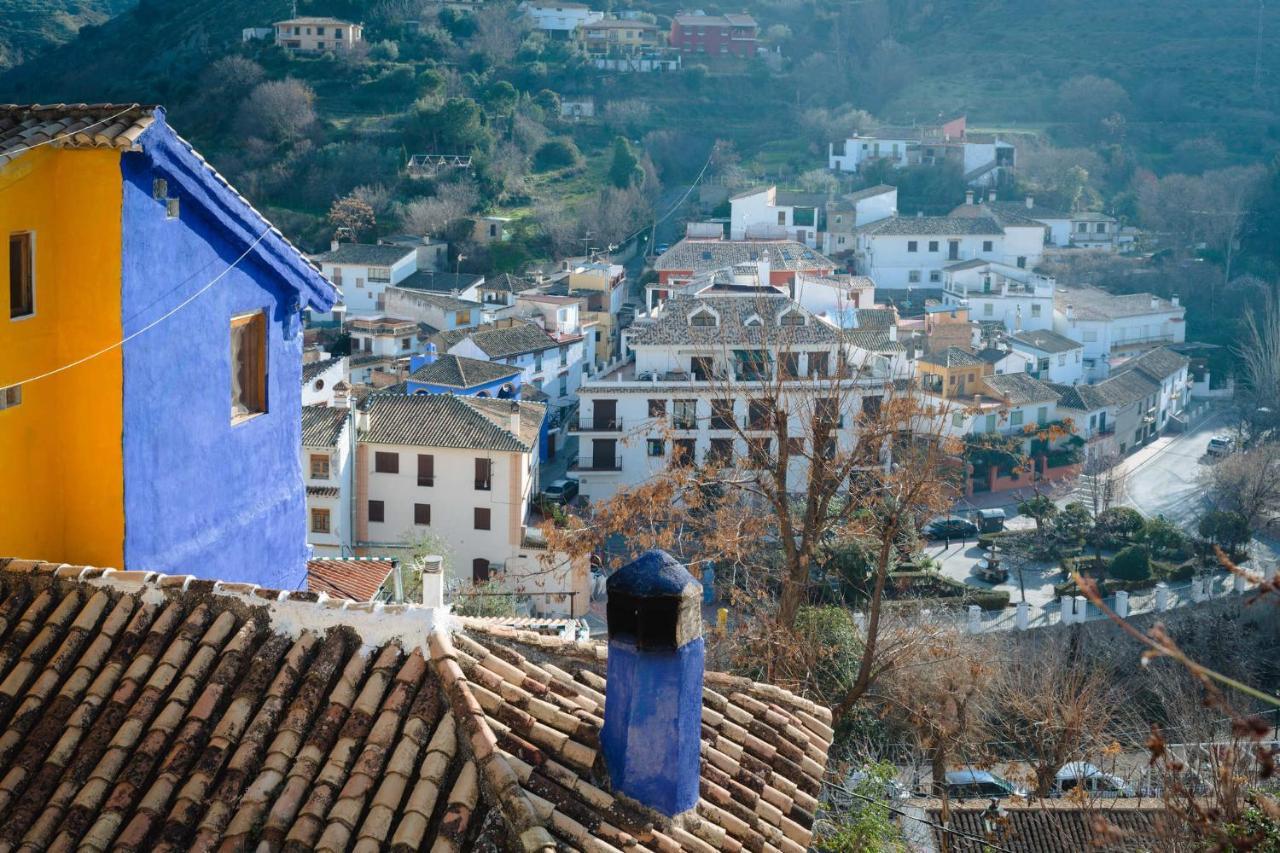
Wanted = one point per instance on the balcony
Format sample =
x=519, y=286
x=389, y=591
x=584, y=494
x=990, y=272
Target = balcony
x=596, y=424
x=589, y=464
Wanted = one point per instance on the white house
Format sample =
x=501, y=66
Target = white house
x=1127, y=409
x=903, y=252
x=559, y=19
x=890, y=144
x=1016, y=297
x=388, y=337
x=549, y=362
x=836, y=297
x=438, y=310
x=322, y=379
x=461, y=472
x=327, y=442
x=686, y=397
x=846, y=213
x=1114, y=326
x=771, y=214
x=981, y=157
x=363, y=271
x=1168, y=370
x=1080, y=230
x=1054, y=357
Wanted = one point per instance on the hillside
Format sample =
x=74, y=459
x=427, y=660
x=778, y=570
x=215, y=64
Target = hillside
x=32, y=27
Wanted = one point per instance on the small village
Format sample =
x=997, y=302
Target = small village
x=549, y=483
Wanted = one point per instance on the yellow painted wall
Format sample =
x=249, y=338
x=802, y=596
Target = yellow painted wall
x=62, y=496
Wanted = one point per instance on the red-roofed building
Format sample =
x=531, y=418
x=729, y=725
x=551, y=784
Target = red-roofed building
x=715, y=35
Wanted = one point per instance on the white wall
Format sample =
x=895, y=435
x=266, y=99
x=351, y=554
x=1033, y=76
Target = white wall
x=887, y=259
x=1065, y=368
x=319, y=391
x=338, y=542
x=359, y=294
x=858, y=149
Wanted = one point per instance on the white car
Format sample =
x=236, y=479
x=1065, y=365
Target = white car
x=1221, y=445
x=1081, y=775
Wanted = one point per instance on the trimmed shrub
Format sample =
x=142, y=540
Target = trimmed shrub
x=1132, y=563
x=1121, y=524
x=989, y=599
x=556, y=154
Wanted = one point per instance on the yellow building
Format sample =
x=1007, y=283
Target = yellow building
x=614, y=37
x=317, y=35
x=953, y=373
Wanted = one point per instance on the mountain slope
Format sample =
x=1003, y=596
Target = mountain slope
x=31, y=27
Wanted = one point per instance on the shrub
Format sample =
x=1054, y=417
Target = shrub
x=989, y=599
x=1228, y=529
x=385, y=51
x=1184, y=571
x=1164, y=538
x=1132, y=563
x=1071, y=524
x=1120, y=524
x=556, y=154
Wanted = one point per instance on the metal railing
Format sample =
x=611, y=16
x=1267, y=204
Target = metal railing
x=590, y=464
x=594, y=424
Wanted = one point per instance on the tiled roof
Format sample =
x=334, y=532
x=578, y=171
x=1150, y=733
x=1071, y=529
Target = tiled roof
x=872, y=339
x=381, y=325
x=447, y=420
x=443, y=301
x=877, y=318
x=1158, y=364
x=1092, y=303
x=455, y=371
x=1046, y=341
x=878, y=189
x=951, y=357
x=1082, y=398
x=1045, y=827
x=322, y=425
x=72, y=125
x=350, y=578
x=1019, y=389
x=507, y=282
x=672, y=326
x=992, y=355
x=440, y=282
x=313, y=369
x=323, y=491
x=373, y=254
x=930, y=226
x=705, y=255
x=313, y=20
x=154, y=712
x=502, y=342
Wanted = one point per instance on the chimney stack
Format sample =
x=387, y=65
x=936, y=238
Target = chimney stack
x=652, y=732
x=968, y=198
x=341, y=395
x=1155, y=301
x=1071, y=310
x=1174, y=299
x=333, y=244
x=1031, y=202
x=515, y=417
x=991, y=196
x=433, y=581
x=893, y=333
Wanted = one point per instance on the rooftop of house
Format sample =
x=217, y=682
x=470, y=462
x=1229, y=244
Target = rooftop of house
x=1157, y=364
x=865, y=318
x=706, y=255
x=313, y=369
x=1083, y=398
x=166, y=712
x=786, y=198
x=443, y=301
x=440, y=282
x=126, y=127
x=1045, y=340
x=910, y=226
x=322, y=425
x=1045, y=826
x=734, y=320
x=728, y=20
x=618, y=24
x=381, y=325
x=951, y=357
x=872, y=339
x=507, y=283
x=349, y=578
x=869, y=192
x=455, y=371
x=447, y=420
x=1094, y=303
x=1020, y=389
x=502, y=341
x=366, y=254
x=306, y=20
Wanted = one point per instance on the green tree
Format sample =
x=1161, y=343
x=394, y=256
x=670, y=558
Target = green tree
x=1040, y=508
x=625, y=169
x=865, y=824
x=1071, y=525
x=457, y=127
x=555, y=154
x=1225, y=528
x=1132, y=563
x=1120, y=524
x=1164, y=538
x=501, y=98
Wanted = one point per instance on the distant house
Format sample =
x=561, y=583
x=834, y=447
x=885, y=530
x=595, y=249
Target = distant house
x=1078, y=230
x=715, y=35
x=456, y=374
x=780, y=261
x=848, y=212
x=770, y=213
x=362, y=271
x=326, y=467
x=559, y=19
x=491, y=229
x=321, y=380
x=613, y=37
x=317, y=35
x=551, y=363
x=1055, y=358
x=1115, y=326
x=982, y=158
x=176, y=450
x=577, y=107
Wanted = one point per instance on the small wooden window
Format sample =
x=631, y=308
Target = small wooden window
x=422, y=514
x=657, y=408
x=159, y=189
x=171, y=208
x=376, y=511
x=386, y=462
x=484, y=476
x=248, y=365
x=22, y=283
x=482, y=518
x=426, y=469
x=319, y=466
x=479, y=570
x=10, y=397
x=319, y=521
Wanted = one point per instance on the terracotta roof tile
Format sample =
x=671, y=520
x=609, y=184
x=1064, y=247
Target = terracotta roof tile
x=350, y=578
x=146, y=712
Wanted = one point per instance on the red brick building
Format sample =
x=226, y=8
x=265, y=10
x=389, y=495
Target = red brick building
x=715, y=35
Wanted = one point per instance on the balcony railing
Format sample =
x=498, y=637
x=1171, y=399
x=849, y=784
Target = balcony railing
x=594, y=424
x=484, y=485
x=590, y=464
x=426, y=481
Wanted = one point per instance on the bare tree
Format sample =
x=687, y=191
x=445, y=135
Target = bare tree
x=352, y=216
x=278, y=110
x=500, y=28
x=1247, y=483
x=1259, y=355
x=428, y=216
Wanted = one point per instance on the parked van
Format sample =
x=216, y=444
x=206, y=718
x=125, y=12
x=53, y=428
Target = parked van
x=1081, y=775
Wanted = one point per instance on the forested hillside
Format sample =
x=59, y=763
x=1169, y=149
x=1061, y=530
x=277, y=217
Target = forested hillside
x=33, y=26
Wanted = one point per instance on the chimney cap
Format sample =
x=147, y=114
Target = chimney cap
x=655, y=602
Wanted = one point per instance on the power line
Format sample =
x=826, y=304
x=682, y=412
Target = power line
x=183, y=304
x=14, y=152
x=947, y=829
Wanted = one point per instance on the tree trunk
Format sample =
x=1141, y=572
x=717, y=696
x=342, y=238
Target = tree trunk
x=938, y=771
x=1044, y=779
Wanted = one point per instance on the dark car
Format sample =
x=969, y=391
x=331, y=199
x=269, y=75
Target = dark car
x=952, y=527
x=979, y=784
x=560, y=491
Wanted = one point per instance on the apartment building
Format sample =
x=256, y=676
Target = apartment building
x=733, y=35
x=317, y=35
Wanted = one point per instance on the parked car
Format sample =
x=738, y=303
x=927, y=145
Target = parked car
x=1078, y=775
x=989, y=520
x=951, y=527
x=979, y=784
x=560, y=491
x=1221, y=445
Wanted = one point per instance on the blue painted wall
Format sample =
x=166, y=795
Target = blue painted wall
x=202, y=496
x=490, y=389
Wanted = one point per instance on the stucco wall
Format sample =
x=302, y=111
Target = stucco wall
x=60, y=449
x=203, y=496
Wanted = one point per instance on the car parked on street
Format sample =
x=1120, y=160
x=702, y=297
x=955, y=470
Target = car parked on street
x=1083, y=776
x=560, y=491
x=951, y=527
x=980, y=784
x=1221, y=445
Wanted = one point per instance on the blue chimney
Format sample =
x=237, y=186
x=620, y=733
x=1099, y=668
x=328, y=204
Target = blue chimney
x=416, y=361
x=653, y=702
